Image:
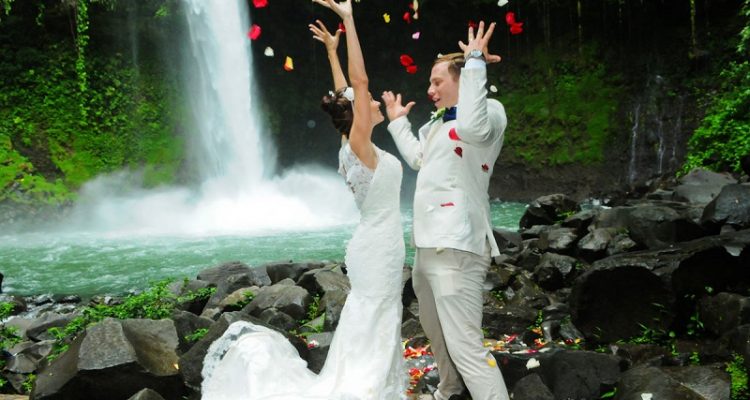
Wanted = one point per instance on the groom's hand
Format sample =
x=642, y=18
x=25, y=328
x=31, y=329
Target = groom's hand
x=393, y=107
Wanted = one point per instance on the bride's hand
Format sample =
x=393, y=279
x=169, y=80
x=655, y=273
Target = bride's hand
x=343, y=9
x=322, y=34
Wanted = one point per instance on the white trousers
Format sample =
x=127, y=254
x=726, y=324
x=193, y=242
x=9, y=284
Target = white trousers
x=448, y=284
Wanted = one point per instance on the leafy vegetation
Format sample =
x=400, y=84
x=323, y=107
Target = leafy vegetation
x=723, y=137
x=157, y=302
x=197, y=335
x=738, y=374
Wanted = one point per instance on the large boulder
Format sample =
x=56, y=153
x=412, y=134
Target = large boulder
x=284, y=296
x=531, y=387
x=730, y=207
x=547, y=210
x=278, y=271
x=723, y=312
x=701, y=186
x=115, y=359
x=685, y=383
x=319, y=281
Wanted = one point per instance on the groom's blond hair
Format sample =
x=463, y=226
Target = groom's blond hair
x=455, y=63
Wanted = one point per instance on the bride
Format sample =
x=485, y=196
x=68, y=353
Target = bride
x=364, y=359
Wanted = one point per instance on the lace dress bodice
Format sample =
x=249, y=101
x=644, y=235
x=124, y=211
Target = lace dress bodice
x=356, y=174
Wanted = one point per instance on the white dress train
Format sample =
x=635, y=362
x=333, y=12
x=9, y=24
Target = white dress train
x=364, y=360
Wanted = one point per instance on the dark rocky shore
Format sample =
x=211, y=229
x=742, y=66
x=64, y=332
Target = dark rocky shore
x=634, y=296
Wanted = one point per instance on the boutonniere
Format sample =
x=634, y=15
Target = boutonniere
x=435, y=115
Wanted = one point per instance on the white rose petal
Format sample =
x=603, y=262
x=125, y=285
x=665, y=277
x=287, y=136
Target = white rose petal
x=532, y=363
x=493, y=88
x=268, y=52
x=502, y=3
x=647, y=396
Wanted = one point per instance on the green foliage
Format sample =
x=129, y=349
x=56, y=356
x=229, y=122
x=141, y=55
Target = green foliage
x=562, y=107
x=313, y=310
x=695, y=358
x=28, y=384
x=738, y=374
x=197, y=335
x=48, y=148
x=609, y=395
x=723, y=137
x=8, y=334
x=157, y=302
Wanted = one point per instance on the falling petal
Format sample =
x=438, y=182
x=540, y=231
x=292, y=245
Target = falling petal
x=472, y=24
x=453, y=135
x=406, y=60
x=510, y=18
x=387, y=18
x=459, y=151
x=485, y=168
x=260, y=3
x=288, y=64
x=493, y=88
x=502, y=3
x=342, y=28
x=268, y=52
x=491, y=362
x=415, y=7
x=415, y=35
x=647, y=396
x=516, y=28
x=407, y=17
x=254, y=32
x=532, y=363
x=412, y=69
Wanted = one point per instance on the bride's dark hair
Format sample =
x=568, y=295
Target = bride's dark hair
x=340, y=110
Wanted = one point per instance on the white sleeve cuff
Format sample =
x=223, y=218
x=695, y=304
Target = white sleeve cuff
x=474, y=63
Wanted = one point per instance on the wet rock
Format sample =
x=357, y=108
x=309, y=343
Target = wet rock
x=115, y=357
x=507, y=320
x=186, y=324
x=332, y=303
x=595, y=243
x=688, y=383
x=553, y=270
x=508, y=241
x=723, y=312
x=37, y=330
x=546, y=210
x=701, y=186
x=182, y=289
x=284, y=296
x=318, y=345
x=559, y=240
x=731, y=207
x=531, y=387
x=651, y=225
x=581, y=374
x=580, y=221
x=279, y=271
x=324, y=279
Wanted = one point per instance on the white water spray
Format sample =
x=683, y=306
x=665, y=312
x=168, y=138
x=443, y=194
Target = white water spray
x=236, y=195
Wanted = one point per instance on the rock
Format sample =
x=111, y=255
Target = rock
x=195, y=305
x=621, y=243
x=146, y=394
x=216, y=275
x=287, y=298
x=279, y=320
x=701, y=186
x=332, y=303
x=745, y=164
x=37, y=330
x=279, y=271
x=318, y=345
x=411, y=328
x=117, y=358
x=507, y=320
x=186, y=324
x=526, y=293
x=580, y=221
x=233, y=283
x=637, y=353
x=553, y=270
x=688, y=383
x=580, y=374
x=738, y=341
x=559, y=240
x=508, y=241
x=612, y=302
x=534, y=232
x=650, y=225
x=723, y=312
x=531, y=387
x=731, y=207
x=498, y=276
x=529, y=259
x=324, y=279
x=238, y=299
x=594, y=245
x=546, y=210
x=27, y=356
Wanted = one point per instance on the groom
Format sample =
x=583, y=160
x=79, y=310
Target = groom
x=455, y=155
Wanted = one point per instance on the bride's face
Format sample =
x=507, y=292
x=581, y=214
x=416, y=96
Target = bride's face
x=376, y=116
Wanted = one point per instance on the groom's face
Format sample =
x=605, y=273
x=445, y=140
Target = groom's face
x=443, y=90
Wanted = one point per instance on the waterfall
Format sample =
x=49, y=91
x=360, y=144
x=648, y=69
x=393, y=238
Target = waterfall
x=237, y=192
x=633, y=144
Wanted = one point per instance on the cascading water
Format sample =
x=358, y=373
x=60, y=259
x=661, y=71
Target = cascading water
x=237, y=192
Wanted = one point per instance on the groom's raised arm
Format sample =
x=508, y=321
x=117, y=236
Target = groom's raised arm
x=400, y=128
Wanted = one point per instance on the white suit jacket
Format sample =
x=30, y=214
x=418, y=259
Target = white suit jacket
x=455, y=160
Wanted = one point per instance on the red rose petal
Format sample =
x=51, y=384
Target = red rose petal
x=472, y=24
x=407, y=17
x=485, y=168
x=510, y=18
x=341, y=27
x=516, y=29
x=254, y=32
x=406, y=60
x=260, y=3
x=453, y=135
x=448, y=204
x=459, y=151
x=412, y=69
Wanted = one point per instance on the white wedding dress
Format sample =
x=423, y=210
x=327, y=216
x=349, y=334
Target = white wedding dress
x=364, y=360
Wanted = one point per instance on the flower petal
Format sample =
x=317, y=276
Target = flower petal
x=459, y=151
x=288, y=64
x=260, y=3
x=448, y=204
x=485, y=168
x=453, y=135
x=406, y=60
x=387, y=18
x=412, y=69
x=254, y=32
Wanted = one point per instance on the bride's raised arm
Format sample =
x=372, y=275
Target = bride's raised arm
x=361, y=131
